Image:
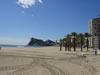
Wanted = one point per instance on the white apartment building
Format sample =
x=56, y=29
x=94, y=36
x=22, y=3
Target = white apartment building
x=94, y=30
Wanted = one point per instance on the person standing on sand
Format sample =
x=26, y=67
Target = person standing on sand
x=0, y=48
x=95, y=52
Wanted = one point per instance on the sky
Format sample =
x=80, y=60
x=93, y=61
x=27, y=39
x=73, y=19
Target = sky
x=44, y=19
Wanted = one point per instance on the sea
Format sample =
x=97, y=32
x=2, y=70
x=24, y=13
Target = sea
x=4, y=45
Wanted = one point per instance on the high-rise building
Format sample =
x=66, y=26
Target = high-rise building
x=94, y=30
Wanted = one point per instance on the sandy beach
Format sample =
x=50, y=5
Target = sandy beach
x=48, y=61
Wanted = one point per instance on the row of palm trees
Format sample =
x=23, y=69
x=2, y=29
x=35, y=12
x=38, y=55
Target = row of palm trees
x=75, y=40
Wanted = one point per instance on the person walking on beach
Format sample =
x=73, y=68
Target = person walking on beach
x=0, y=48
x=95, y=52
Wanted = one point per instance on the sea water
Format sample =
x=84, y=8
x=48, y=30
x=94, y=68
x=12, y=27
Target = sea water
x=2, y=45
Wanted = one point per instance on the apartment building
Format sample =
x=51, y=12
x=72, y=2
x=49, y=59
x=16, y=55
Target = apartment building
x=94, y=30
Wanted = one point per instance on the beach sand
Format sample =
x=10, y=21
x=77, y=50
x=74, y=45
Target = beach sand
x=48, y=61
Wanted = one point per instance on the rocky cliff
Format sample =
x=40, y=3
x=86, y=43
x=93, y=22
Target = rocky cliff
x=38, y=42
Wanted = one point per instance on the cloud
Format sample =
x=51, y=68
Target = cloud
x=27, y=3
x=40, y=1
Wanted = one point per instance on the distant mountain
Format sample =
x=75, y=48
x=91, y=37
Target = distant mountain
x=39, y=42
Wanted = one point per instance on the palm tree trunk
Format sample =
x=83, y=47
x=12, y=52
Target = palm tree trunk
x=81, y=45
x=81, y=48
x=68, y=46
x=87, y=44
x=65, y=46
x=60, y=47
x=74, y=44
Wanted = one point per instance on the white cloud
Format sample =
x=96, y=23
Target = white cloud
x=27, y=3
x=40, y=1
x=13, y=41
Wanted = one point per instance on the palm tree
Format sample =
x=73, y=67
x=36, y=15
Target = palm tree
x=87, y=39
x=81, y=38
x=74, y=34
x=68, y=40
